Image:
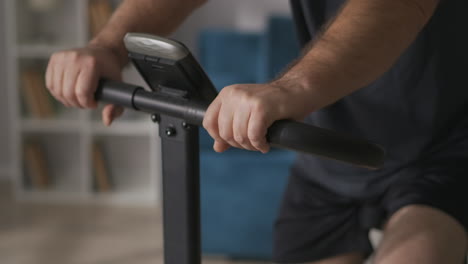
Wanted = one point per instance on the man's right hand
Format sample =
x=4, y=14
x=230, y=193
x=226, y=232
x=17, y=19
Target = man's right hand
x=72, y=77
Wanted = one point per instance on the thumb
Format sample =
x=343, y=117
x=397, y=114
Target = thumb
x=110, y=113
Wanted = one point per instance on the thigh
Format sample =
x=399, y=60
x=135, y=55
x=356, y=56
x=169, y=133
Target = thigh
x=318, y=226
x=422, y=234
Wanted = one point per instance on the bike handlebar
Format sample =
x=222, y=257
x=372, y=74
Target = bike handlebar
x=286, y=134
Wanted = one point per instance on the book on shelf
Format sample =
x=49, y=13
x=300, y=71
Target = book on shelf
x=101, y=173
x=36, y=165
x=99, y=12
x=36, y=97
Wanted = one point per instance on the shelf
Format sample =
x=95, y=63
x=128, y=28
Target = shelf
x=143, y=199
x=60, y=153
x=56, y=24
x=50, y=196
x=57, y=141
x=50, y=125
x=130, y=175
x=129, y=128
x=39, y=50
x=147, y=198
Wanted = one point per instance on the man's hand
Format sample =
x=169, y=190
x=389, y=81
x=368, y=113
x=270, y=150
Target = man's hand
x=242, y=113
x=72, y=77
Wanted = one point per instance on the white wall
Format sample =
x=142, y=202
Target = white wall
x=253, y=15
x=4, y=122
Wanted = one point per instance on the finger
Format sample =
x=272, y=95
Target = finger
x=117, y=111
x=86, y=84
x=257, y=131
x=110, y=113
x=210, y=120
x=68, y=86
x=49, y=75
x=220, y=146
x=225, y=120
x=240, y=127
x=57, y=82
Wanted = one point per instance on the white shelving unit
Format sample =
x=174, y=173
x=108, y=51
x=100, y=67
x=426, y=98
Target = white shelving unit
x=130, y=145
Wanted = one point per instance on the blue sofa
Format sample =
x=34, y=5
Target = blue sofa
x=241, y=190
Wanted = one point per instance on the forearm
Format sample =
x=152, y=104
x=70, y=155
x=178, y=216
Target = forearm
x=364, y=41
x=160, y=17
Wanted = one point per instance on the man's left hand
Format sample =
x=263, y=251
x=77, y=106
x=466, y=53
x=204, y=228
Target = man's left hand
x=241, y=114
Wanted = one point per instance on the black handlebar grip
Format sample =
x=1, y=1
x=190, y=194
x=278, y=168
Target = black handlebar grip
x=326, y=143
x=115, y=92
x=286, y=134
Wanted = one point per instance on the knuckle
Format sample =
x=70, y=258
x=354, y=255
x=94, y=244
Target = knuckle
x=58, y=93
x=81, y=92
x=257, y=105
x=68, y=96
x=205, y=123
x=248, y=95
x=240, y=139
x=53, y=93
x=208, y=123
x=225, y=135
x=254, y=138
x=72, y=56
x=47, y=84
x=90, y=62
x=52, y=60
x=82, y=95
x=260, y=115
x=234, y=89
x=223, y=92
x=50, y=86
x=213, y=134
x=57, y=56
x=256, y=144
x=234, y=144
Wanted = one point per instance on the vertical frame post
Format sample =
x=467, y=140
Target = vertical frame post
x=181, y=191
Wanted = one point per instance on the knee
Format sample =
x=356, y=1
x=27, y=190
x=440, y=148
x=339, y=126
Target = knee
x=421, y=234
x=425, y=223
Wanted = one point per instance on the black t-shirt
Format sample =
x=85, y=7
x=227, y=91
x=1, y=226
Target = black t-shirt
x=417, y=110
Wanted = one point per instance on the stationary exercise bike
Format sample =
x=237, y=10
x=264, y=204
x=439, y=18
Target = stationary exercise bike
x=180, y=94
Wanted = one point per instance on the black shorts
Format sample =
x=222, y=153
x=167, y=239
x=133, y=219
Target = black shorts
x=315, y=223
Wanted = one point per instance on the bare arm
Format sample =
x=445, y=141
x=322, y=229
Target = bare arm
x=362, y=42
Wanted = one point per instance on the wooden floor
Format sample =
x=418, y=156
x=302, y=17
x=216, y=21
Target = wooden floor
x=63, y=234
